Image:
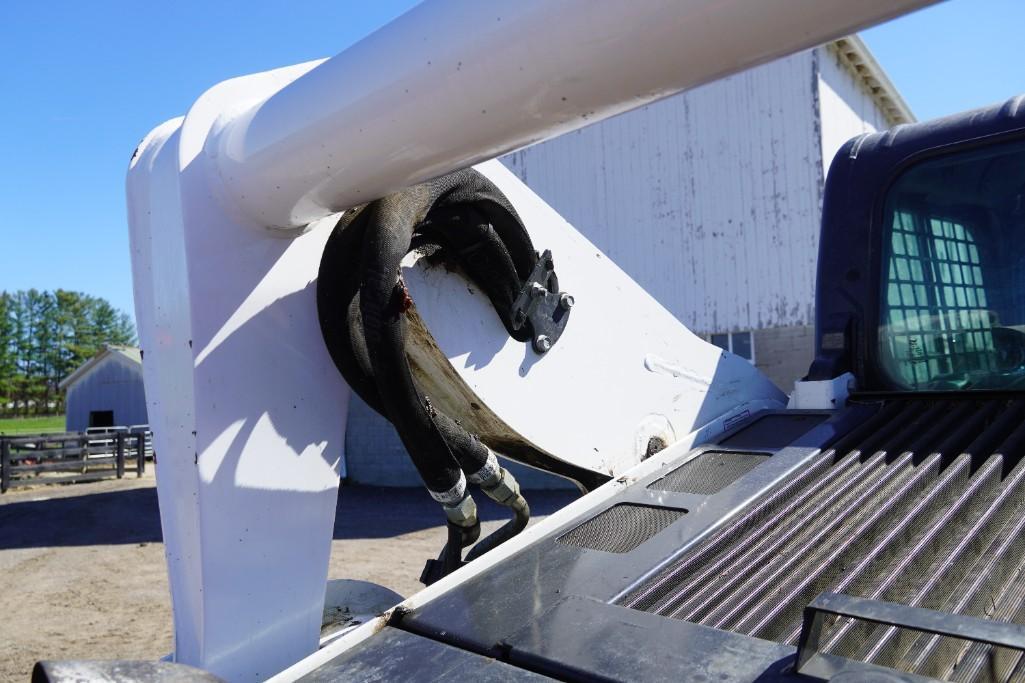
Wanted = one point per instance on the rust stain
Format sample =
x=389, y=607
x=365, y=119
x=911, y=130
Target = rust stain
x=450, y=394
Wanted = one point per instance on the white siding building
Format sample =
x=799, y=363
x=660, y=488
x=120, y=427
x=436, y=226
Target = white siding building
x=106, y=391
x=711, y=201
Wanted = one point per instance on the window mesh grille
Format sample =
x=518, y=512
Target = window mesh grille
x=938, y=321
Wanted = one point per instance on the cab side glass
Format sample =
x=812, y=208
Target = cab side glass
x=952, y=313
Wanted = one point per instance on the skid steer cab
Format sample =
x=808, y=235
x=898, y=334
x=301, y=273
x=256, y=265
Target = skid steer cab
x=921, y=283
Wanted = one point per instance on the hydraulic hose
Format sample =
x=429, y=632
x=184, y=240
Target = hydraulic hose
x=363, y=302
x=503, y=489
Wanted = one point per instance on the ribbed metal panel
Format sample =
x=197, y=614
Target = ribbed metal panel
x=923, y=505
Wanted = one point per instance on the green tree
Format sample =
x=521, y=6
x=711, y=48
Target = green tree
x=110, y=325
x=45, y=336
x=25, y=318
x=8, y=354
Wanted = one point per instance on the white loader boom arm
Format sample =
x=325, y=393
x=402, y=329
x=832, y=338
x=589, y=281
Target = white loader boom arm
x=230, y=208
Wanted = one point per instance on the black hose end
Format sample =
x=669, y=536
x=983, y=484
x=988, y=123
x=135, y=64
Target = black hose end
x=451, y=557
x=434, y=571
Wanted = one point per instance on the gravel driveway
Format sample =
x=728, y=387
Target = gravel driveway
x=84, y=575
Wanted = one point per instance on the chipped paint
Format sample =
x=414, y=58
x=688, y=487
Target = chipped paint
x=661, y=366
x=849, y=109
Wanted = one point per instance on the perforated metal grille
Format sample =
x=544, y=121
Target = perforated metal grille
x=708, y=473
x=621, y=528
x=922, y=505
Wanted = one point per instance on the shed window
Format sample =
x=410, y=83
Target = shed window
x=739, y=343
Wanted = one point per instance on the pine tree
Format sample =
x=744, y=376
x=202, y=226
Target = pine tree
x=8, y=355
x=45, y=336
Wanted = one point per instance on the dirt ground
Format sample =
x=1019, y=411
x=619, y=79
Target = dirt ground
x=83, y=572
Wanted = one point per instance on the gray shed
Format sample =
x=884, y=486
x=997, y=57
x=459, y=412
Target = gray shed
x=106, y=391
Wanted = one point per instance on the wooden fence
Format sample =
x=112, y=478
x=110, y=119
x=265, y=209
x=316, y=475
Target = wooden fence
x=34, y=459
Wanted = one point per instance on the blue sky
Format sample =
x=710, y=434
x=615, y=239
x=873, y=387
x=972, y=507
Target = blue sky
x=83, y=82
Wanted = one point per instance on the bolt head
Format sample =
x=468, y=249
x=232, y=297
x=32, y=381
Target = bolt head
x=537, y=290
x=566, y=301
x=542, y=343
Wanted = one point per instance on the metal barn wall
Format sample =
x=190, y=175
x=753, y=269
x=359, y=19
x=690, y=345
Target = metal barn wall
x=709, y=199
x=847, y=108
x=114, y=383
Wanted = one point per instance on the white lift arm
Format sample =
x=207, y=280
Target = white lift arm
x=229, y=210
x=452, y=83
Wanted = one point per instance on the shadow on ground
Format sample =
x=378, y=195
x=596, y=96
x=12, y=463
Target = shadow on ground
x=373, y=512
x=132, y=516
x=101, y=518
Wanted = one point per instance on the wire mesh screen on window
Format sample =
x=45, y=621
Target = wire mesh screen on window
x=938, y=317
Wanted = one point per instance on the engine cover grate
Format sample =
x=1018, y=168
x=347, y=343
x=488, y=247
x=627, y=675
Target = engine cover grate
x=709, y=473
x=621, y=528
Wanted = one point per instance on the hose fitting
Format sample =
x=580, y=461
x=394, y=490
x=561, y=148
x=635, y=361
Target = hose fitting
x=463, y=513
x=504, y=489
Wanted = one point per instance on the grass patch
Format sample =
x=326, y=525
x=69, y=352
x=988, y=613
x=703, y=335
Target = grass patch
x=31, y=425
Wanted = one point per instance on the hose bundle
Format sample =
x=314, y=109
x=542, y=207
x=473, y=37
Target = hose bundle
x=363, y=302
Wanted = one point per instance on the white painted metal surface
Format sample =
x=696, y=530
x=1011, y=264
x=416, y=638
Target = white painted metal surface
x=247, y=410
x=623, y=371
x=453, y=82
x=160, y=284
x=827, y=394
x=349, y=603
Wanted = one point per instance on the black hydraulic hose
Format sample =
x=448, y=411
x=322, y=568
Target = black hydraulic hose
x=521, y=515
x=382, y=307
x=362, y=302
x=458, y=538
x=338, y=302
x=465, y=213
